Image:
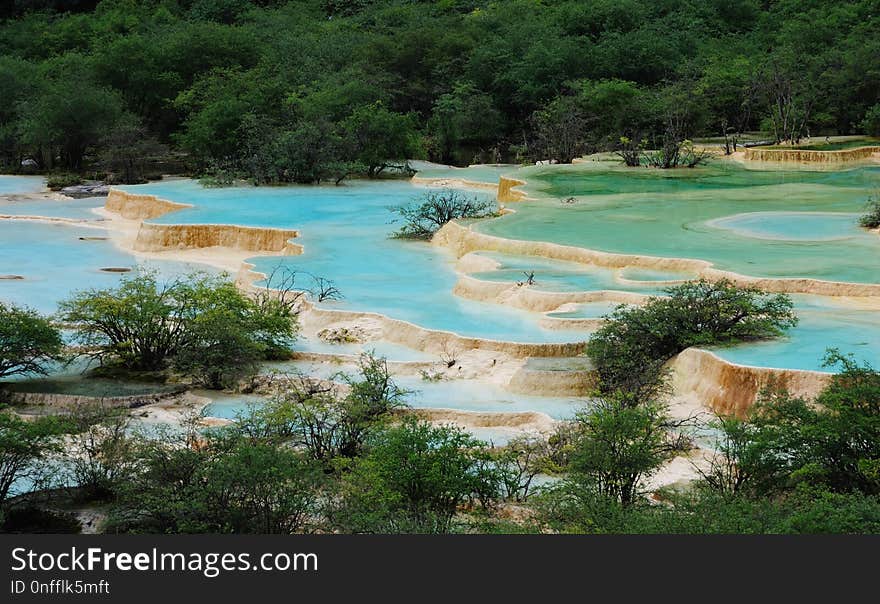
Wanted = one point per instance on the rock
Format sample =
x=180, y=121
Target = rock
x=11, y=277
x=116, y=269
x=29, y=163
x=343, y=335
x=88, y=189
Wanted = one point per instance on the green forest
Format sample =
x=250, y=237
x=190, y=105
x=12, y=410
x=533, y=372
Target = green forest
x=318, y=90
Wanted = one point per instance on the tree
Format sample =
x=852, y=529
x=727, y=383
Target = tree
x=213, y=332
x=463, y=123
x=519, y=462
x=380, y=138
x=70, y=115
x=24, y=446
x=788, y=96
x=631, y=348
x=140, y=323
x=831, y=443
x=99, y=452
x=871, y=218
x=425, y=216
x=619, y=445
x=560, y=130
x=228, y=333
x=129, y=150
x=316, y=417
x=617, y=108
x=228, y=484
x=871, y=122
x=413, y=479
x=28, y=342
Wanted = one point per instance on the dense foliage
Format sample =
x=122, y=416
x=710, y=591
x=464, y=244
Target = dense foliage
x=871, y=218
x=203, y=326
x=790, y=466
x=28, y=341
x=311, y=90
x=631, y=348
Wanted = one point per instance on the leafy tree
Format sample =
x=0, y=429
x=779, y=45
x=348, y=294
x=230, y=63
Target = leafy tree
x=24, y=447
x=413, y=479
x=70, y=115
x=212, y=331
x=619, y=445
x=129, y=151
x=871, y=122
x=228, y=485
x=615, y=108
x=28, y=342
x=560, y=130
x=830, y=443
x=576, y=508
x=381, y=138
x=871, y=219
x=99, y=452
x=521, y=460
x=425, y=216
x=325, y=423
x=228, y=333
x=630, y=349
x=463, y=123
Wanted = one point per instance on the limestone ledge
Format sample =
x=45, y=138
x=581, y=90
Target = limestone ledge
x=730, y=389
x=455, y=183
x=571, y=382
x=531, y=298
x=525, y=420
x=161, y=237
x=57, y=400
x=140, y=207
x=508, y=192
x=436, y=341
x=810, y=155
x=464, y=239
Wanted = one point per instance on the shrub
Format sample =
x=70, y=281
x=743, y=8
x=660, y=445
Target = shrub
x=426, y=215
x=631, y=348
x=28, y=342
x=56, y=182
x=204, y=325
x=871, y=219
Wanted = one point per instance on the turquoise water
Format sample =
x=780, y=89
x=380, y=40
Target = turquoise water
x=16, y=185
x=676, y=213
x=823, y=324
x=773, y=223
x=345, y=231
x=80, y=209
x=558, y=275
x=794, y=226
x=54, y=261
x=454, y=394
x=587, y=310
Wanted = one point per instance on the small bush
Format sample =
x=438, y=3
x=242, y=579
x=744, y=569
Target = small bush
x=425, y=216
x=56, y=182
x=871, y=219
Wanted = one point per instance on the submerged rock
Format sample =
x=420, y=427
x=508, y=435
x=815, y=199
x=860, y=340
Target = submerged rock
x=11, y=277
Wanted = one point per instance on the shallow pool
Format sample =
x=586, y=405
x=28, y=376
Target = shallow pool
x=345, y=233
x=682, y=214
